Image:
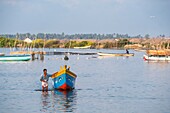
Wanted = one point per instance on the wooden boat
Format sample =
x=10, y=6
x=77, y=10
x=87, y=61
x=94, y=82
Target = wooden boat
x=115, y=54
x=2, y=54
x=64, y=79
x=157, y=55
x=84, y=47
x=15, y=58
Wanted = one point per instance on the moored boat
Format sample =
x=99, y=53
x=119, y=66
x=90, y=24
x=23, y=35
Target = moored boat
x=64, y=79
x=115, y=54
x=15, y=58
x=157, y=55
x=2, y=54
x=84, y=47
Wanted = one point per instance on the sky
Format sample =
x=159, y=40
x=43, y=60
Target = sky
x=133, y=17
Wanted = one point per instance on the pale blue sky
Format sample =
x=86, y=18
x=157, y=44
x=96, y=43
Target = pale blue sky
x=85, y=16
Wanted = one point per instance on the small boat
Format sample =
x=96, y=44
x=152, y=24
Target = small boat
x=15, y=58
x=84, y=47
x=64, y=79
x=2, y=54
x=157, y=55
x=115, y=54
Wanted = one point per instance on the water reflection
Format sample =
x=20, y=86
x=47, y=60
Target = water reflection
x=59, y=101
x=45, y=101
x=65, y=100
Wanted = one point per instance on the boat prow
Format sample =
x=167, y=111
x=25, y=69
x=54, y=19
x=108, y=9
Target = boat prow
x=64, y=79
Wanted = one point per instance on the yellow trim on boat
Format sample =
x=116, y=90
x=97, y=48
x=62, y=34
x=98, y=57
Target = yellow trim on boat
x=64, y=70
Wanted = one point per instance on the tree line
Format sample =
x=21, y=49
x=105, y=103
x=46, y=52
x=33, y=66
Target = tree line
x=65, y=43
x=71, y=36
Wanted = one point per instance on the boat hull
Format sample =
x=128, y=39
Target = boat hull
x=115, y=54
x=15, y=58
x=64, y=80
x=156, y=58
x=2, y=54
x=85, y=47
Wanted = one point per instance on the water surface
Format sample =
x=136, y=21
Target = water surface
x=103, y=85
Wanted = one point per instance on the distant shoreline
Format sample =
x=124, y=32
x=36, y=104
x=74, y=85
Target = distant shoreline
x=126, y=43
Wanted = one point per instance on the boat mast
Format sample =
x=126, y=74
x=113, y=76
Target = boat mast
x=167, y=46
x=44, y=41
x=34, y=42
x=15, y=43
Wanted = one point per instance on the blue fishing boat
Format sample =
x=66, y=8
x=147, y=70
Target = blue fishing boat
x=64, y=79
x=15, y=58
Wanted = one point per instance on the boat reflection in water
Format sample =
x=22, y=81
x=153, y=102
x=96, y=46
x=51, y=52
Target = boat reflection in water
x=45, y=101
x=65, y=101
x=59, y=101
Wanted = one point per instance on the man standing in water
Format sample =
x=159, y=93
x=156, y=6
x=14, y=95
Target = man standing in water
x=127, y=52
x=44, y=79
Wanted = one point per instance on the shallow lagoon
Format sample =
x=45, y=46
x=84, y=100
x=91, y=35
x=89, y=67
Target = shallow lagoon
x=103, y=85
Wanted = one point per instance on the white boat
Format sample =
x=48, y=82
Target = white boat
x=84, y=47
x=2, y=54
x=15, y=58
x=157, y=55
x=115, y=54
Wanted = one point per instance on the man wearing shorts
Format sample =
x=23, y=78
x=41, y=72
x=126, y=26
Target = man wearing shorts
x=44, y=79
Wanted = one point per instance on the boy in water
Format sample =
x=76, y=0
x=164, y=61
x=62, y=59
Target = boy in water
x=44, y=79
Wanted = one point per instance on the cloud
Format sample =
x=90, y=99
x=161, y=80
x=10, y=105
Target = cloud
x=65, y=3
x=11, y=2
x=115, y=1
x=22, y=5
x=70, y=3
x=152, y=17
x=120, y=1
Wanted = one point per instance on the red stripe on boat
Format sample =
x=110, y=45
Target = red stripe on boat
x=65, y=87
x=144, y=58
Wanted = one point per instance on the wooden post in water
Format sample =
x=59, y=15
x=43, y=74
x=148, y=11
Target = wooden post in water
x=33, y=55
x=42, y=55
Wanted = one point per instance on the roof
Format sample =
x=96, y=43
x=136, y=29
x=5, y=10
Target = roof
x=27, y=40
x=158, y=52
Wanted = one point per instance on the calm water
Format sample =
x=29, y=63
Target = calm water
x=104, y=85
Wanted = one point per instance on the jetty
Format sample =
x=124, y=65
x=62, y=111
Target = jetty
x=71, y=53
x=32, y=53
x=42, y=53
x=51, y=53
x=27, y=52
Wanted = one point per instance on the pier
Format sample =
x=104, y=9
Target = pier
x=40, y=54
x=34, y=54
x=71, y=53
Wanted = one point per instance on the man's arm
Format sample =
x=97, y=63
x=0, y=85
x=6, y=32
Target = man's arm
x=53, y=75
x=49, y=75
